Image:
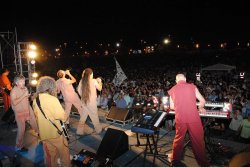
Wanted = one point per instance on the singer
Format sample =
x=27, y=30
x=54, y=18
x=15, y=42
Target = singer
x=87, y=90
x=70, y=97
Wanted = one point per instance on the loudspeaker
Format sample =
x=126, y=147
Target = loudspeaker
x=113, y=144
x=121, y=114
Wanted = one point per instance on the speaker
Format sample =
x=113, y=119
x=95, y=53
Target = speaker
x=120, y=114
x=113, y=144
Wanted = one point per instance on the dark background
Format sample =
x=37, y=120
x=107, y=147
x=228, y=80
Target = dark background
x=51, y=22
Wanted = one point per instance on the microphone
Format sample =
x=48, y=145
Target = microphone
x=69, y=68
x=100, y=78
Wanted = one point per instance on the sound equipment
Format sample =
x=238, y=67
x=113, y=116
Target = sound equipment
x=83, y=159
x=218, y=105
x=210, y=114
x=119, y=115
x=149, y=122
x=113, y=144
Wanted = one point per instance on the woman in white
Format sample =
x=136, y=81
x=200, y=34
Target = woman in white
x=87, y=90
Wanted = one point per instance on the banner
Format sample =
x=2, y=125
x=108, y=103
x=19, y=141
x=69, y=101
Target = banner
x=120, y=75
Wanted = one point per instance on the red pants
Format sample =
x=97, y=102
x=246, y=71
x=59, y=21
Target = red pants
x=196, y=135
x=6, y=101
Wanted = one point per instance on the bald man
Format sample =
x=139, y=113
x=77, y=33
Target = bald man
x=183, y=100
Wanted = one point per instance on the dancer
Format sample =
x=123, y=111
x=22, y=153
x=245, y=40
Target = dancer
x=70, y=97
x=87, y=90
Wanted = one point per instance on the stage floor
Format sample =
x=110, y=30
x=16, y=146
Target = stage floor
x=134, y=157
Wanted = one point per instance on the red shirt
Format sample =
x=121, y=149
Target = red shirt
x=184, y=98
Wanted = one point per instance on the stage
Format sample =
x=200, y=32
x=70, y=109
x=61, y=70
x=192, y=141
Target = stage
x=134, y=157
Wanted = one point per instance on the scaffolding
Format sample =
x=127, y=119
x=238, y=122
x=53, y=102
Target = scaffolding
x=8, y=50
x=14, y=55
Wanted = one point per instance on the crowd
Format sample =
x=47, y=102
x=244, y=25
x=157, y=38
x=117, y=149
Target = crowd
x=146, y=87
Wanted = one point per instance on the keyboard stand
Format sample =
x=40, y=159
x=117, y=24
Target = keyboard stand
x=154, y=152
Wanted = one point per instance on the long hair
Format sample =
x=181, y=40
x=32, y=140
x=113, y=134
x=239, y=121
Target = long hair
x=46, y=84
x=86, y=85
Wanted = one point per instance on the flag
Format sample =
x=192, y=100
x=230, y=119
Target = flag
x=120, y=75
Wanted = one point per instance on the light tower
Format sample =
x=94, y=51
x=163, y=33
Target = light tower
x=27, y=52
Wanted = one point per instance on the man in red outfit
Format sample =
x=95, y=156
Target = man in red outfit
x=5, y=88
x=183, y=100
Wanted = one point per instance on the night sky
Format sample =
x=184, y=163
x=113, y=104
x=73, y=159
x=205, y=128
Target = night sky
x=50, y=22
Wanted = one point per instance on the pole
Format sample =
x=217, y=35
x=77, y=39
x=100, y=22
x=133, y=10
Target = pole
x=16, y=51
x=1, y=55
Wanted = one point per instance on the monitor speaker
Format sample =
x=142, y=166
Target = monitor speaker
x=113, y=144
x=120, y=114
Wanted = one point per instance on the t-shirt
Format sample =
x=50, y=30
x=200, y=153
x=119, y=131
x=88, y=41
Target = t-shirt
x=235, y=123
x=245, y=131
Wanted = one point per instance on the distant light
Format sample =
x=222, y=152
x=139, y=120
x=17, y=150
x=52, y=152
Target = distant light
x=222, y=45
x=34, y=75
x=248, y=44
x=178, y=46
x=32, y=47
x=238, y=44
x=117, y=44
x=32, y=54
x=33, y=82
x=242, y=75
x=33, y=62
x=197, y=45
x=166, y=41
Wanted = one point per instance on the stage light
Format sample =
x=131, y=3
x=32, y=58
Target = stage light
x=33, y=62
x=32, y=47
x=34, y=75
x=32, y=54
x=33, y=82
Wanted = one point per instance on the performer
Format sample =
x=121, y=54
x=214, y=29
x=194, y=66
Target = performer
x=54, y=144
x=23, y=112
x=183, y=100
x=5, y=86
x=87, y=90
x=70, y=97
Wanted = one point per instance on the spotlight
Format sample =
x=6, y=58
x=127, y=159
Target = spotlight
x=32, y=54
x=33, y=82
x=32, y=47
x=34, y=75
x=33, y=62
